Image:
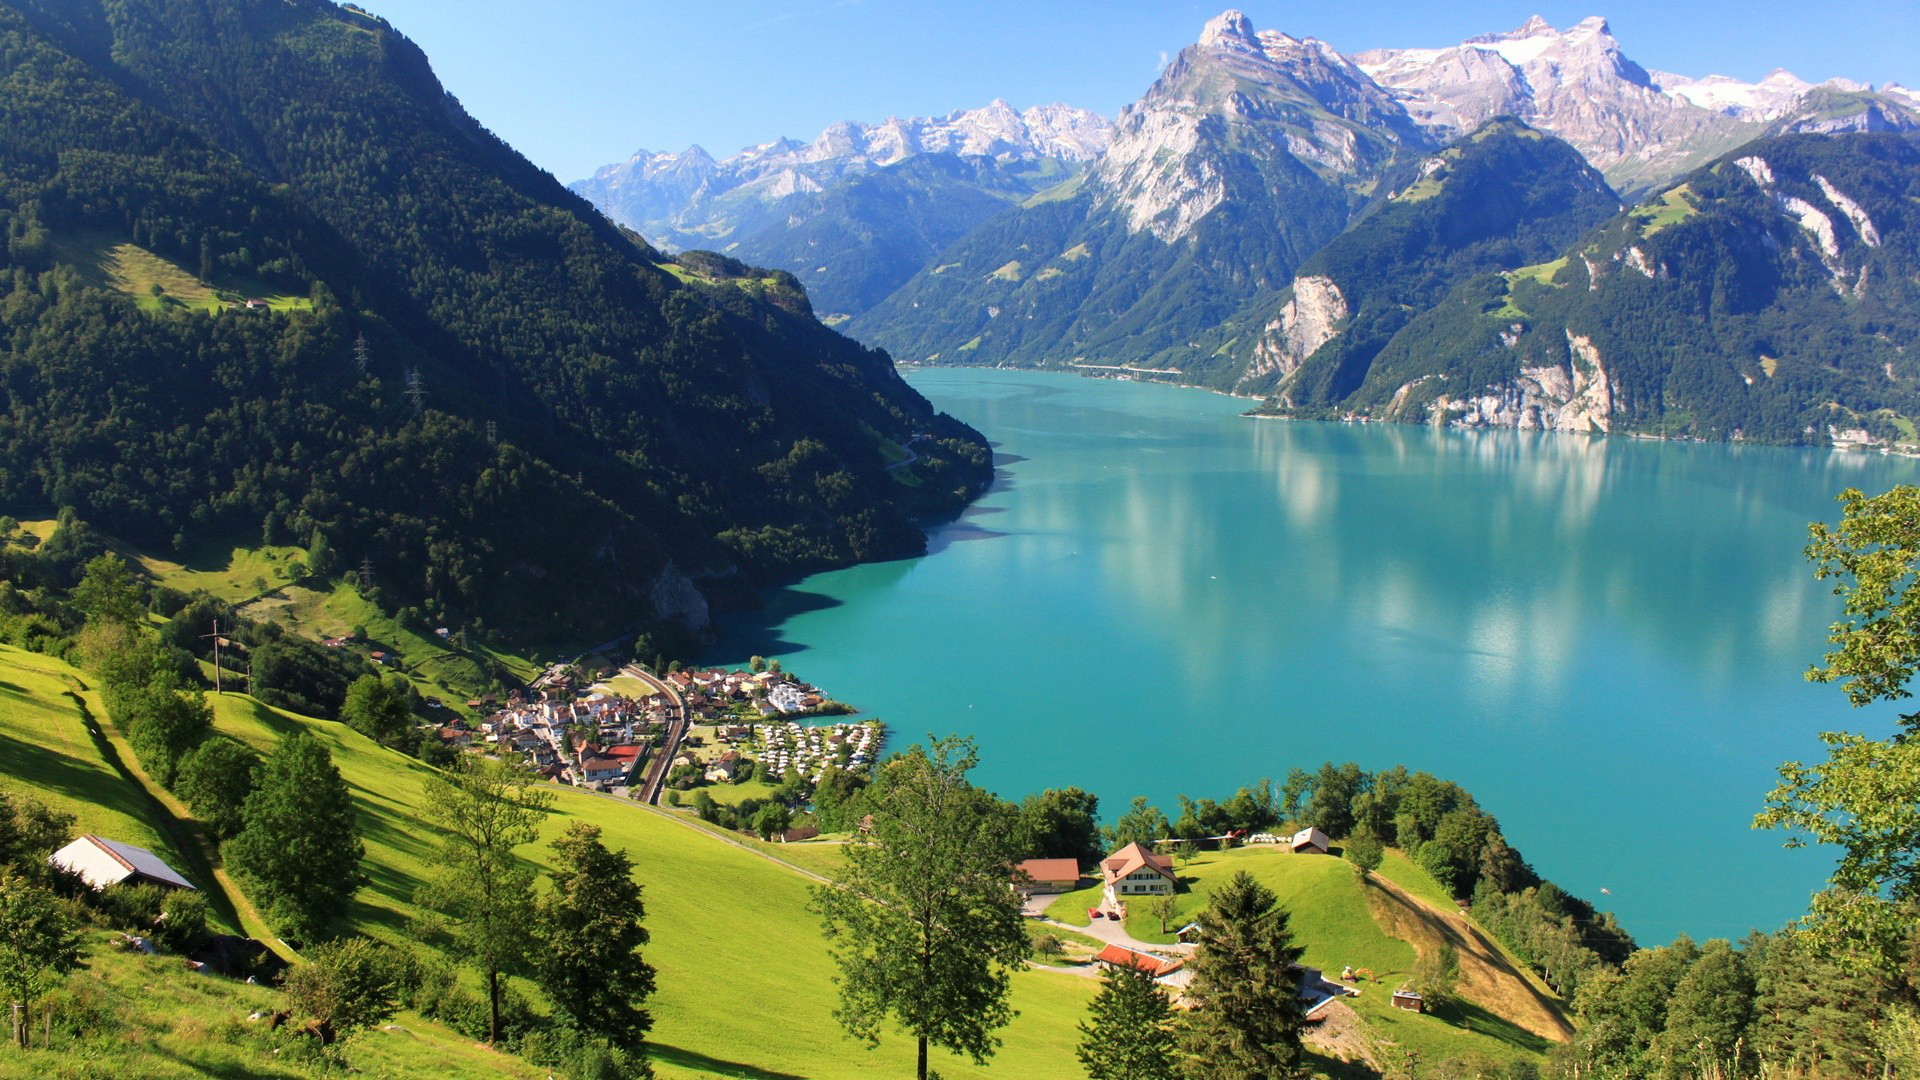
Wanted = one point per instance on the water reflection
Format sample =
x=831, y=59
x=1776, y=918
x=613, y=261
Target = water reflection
x=1592, y=634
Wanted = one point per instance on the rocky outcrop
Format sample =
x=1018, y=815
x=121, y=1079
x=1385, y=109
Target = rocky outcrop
x=1575, y=398
x=1310, y=319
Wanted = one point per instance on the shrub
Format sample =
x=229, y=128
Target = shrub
x=130, y=907
x=183, y=921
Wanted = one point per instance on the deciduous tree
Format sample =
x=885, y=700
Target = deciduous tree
x=37, y=944
x=921, y=922
x=590, y=932
x=300, y=844
x=488, y=807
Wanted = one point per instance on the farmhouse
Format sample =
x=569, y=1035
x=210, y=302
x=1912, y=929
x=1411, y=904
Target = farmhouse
x=1310, y=841
x=1135, y=871
x=1049, y=875
x=104, y=862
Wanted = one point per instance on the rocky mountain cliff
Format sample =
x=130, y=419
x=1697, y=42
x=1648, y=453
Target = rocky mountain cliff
x=1639, y=127
x=1249, y=153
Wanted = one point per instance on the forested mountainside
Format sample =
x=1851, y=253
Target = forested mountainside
x=1249, y=154
x=462, y=375
x=1505, y=196
x=1773, y=295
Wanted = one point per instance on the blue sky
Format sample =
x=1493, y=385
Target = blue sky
x=588, y=81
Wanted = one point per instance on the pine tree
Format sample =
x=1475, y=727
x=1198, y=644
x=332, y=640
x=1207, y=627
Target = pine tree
x=300, y=845
x=590, y=932
x=1128, y=1033
x=1246, y=1019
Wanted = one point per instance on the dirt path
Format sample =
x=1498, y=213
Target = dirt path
x=1341, y=1034
x=1487, y=977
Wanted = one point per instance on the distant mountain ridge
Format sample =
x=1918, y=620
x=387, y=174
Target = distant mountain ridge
x=749, y=204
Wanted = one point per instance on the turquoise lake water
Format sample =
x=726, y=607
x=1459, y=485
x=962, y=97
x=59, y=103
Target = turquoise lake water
x=1602, y=639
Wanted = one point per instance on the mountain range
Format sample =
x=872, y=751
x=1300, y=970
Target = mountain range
x=1272, y=214
x=854, y=212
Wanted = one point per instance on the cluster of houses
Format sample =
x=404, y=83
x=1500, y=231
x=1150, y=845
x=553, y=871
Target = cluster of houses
x=1138, y=871
x=711, y=692
x=599, y=741
x=793, y=748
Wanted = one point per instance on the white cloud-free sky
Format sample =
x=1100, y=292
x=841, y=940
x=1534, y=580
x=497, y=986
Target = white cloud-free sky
x=575, y=84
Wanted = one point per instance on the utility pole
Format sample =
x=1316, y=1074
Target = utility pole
x=366, y=571
x=361, y=354
x=217, y=639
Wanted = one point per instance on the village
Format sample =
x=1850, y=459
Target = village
x=631, y=733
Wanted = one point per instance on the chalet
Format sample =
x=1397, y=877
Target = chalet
x=101, y=863
x=1135, y=871
x=1049, y=875
x=1156, y=966
x=1309, y=841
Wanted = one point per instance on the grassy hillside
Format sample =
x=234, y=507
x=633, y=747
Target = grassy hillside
x=48, y=753
x=1341, y=922
x=745, y=987
x=169, y=1024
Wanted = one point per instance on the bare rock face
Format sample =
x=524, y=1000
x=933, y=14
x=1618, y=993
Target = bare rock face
x=1576, y=84
x=1575, y=398
x=1259, y=92
x=1309, y=320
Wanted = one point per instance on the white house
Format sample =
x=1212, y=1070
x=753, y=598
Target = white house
x=104, y=862
x=1135, y=871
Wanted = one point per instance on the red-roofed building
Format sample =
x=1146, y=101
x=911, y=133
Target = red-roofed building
x=1156, y=966
x=1049, y=875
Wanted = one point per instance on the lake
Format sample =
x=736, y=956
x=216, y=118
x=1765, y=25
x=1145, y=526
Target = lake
x=1602, y=639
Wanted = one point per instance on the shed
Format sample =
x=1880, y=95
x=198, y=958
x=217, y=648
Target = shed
x=1050, y=875
x=101, y=863
x=1311, y=841
x=1408, y=1000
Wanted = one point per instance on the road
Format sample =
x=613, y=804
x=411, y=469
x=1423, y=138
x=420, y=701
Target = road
x=661, y=763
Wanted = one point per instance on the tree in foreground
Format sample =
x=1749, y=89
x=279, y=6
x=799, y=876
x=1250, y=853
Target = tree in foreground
x=921, y=922
x=590, y=932
x=347, y=985
x=1865, y=798
x=1128, y=1032
x=1246, y=1018
x=488, y=807
x=299, y=846
x=37, y=945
